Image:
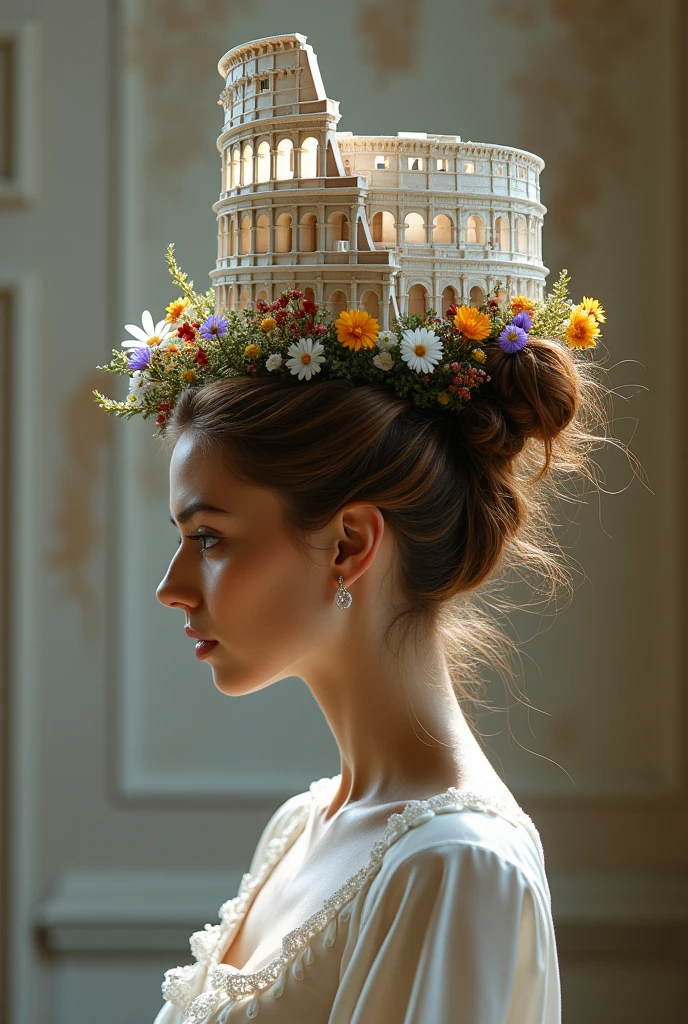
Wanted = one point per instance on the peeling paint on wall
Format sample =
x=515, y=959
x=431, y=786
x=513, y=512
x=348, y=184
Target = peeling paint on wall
x=573, y=111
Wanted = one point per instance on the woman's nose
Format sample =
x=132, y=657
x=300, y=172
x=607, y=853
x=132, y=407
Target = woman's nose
x=173, y=593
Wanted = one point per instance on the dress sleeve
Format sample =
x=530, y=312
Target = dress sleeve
x=455, y=934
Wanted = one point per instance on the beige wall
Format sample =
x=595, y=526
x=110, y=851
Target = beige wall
x=127, y=784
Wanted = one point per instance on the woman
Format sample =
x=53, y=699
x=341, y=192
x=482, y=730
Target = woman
x=338, y=533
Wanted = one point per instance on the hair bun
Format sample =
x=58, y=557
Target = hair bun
x=533, y=393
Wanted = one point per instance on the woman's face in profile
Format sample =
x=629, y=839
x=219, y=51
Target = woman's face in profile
x=238, y=577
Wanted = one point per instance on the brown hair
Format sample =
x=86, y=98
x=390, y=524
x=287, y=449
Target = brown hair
x=467, y=496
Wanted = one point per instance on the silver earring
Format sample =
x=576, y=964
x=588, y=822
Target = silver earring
x=342, y=598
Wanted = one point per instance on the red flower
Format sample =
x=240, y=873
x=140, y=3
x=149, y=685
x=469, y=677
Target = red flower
x=261, y=306
x=282, y=301
x=280, y=317
x=296, y=294
x=309, y=307
x=201, y=357
x=187, y=332
x=161, y=419
x=163, y=406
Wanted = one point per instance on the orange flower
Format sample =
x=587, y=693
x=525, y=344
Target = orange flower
x=357, y=329
x=520, y=303
x=443, y=398
x=582, y=329
x=268, y=324
x=189, y=375
x=176, y=309
x=473, y=324
x=252, y=351
x=593, y=307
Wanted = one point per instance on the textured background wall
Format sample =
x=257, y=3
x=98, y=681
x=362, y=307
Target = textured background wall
x=130, y=803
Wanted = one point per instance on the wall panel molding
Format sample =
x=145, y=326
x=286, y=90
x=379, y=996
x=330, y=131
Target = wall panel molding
x=19, y=111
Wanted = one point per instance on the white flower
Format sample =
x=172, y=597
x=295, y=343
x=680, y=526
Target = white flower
x=151, y=334
x=305, y=356
x=274, y=361
x=138, y=385
x=384, y=361
x=386, y=340
x=421, y=349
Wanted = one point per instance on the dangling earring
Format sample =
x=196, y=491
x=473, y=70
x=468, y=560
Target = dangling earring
x=342, y=598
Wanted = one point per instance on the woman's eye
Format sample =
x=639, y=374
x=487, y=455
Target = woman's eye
x=200, y=537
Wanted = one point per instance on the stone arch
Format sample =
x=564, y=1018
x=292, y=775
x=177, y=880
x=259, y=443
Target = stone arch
x=309, y=294
x=285, y=159
x=262, y=243
x=502, y=238
x=337, y=301
x=520, y=235
x=477, y=295
x=247, y=165
x=308, y=241
x=475, y=230
x=262, y=296
x=245, y=235
x=228, y=170
x=442, y=229
x=338, y=227
x=244, y=298
x=231, y=298
x=370, y=301
x=236, y=167
x=383, y=227
x=231, y=240
x=417, y=299
x=414, y=229
x=449, y=298
x=309, y=157
x=263, y=162
x=283, y=240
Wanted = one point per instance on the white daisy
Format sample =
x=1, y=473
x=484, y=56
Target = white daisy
x=305, y=356
x=386, y=340
x=273, y=362
x=151, y=334
x=138, y=385
x=421, y=349
x=384, y=361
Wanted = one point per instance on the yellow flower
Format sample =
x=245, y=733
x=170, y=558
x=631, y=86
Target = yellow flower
x=479, y=355
x=443, y=398
x=520, y=303
x=473, y=324
x=176, y=309
x=172, y=348
x=593, y=307
x=189, y=375
x=268, y=324
x=357, y=329
x=252, y=351
x=582, y=329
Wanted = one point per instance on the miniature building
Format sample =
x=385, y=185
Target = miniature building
x=389, y=224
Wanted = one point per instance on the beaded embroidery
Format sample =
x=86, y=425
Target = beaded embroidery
x=228, y=984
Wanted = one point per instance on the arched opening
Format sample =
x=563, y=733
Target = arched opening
x=521, y=235
x=371, y=303
x=309, y=233
x=247, y=165
x=285, y=160
x=501, y=295
x=501, y=238
x=231, y=236
x=245, y=235
x=448, y=299
x=236, y=167
x=337, y=302
x=228, y=170
x=263, y=162
x=244, y=299
x=309, y=294
x=283, y=235
x=442, y=230
x=309, y=158
x=231, y=299
x=477, y=295
x=262, y=296
x=262, y=233
x=414, y=232
x=383, y=228
x=475, y=230
x=339, y=228
x=418, y=300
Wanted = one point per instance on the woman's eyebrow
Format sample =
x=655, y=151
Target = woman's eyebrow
x=194, y=508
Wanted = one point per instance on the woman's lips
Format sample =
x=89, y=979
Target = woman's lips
x=204, y=647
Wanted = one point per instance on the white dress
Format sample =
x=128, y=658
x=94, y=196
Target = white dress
x=449, y=921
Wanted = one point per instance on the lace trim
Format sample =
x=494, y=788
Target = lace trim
x=230, y=984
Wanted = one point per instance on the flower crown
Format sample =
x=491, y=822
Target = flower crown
x=434, y=361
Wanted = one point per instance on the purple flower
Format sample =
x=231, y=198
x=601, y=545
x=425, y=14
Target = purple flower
x=522, y=320
x=512, y=339
x=213, y=326
x=140, y=358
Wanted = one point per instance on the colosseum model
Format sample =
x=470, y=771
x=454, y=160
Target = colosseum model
x=391, y=224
